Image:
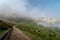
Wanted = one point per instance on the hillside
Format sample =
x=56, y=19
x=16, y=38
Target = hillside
x=4, y=24
x=38, y=32
x=16, y=20
x=32, y=30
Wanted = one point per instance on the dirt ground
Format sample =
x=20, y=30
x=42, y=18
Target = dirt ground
x=18, y=35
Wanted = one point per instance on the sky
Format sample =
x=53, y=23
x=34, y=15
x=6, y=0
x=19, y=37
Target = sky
x=31, y=8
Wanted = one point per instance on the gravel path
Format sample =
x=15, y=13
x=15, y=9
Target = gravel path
x=18, y=35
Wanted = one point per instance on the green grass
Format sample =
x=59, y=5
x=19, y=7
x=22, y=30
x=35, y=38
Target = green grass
x=2, y=32
x=38, y=32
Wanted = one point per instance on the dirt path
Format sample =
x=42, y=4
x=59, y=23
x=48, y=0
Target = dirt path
x=18, y=35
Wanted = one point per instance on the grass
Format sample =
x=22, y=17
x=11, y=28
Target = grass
x=4, y=26
x=2, y=32
x=38, y=32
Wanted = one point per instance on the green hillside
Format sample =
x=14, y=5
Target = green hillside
x=38, y=32
x=4, y=26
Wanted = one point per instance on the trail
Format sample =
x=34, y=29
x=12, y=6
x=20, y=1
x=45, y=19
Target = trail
x=18, y=35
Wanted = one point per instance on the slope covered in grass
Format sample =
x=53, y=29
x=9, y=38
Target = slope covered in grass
x=4, y=26
x=38, y=32
x=2, y=32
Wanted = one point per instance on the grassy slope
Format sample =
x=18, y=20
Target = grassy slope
x=2, y=32
x=38, y=32
x=4, y=26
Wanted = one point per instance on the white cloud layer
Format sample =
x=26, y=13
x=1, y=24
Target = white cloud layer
x=18, y=7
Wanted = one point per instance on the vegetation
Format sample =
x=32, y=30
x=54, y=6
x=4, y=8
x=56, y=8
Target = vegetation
x=38, y=32
x=34, y=31
x=4, y=27
x=2, y=32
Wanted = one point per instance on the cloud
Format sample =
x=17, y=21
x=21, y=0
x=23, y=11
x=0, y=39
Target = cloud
x=25, y=8
x=18, y=7
x=9, y=7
